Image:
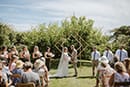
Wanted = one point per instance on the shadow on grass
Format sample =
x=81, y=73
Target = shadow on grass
x=78, y=77
x=61, y=77
x=84, y=77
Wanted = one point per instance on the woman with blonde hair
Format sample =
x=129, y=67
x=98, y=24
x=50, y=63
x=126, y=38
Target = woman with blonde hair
x=41, y=69
x=36, y=53
x=120, y=76
x=127, y=65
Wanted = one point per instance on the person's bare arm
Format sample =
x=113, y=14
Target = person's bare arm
x=33, y=55
x=111, y=81
x=45, y=55
x=21, y=54
x=28, y=56
x=46, y=75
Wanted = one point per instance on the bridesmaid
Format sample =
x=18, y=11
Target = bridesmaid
x=4, y=53
x=24, y=54
x=36, y=53
x=14, y=51
x=48, y=55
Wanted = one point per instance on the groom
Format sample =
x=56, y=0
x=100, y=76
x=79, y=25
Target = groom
x=74, y=59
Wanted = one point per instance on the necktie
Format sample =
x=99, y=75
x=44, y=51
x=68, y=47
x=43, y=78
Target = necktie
x=120, y=54
x=107, y=54
x=94, y=55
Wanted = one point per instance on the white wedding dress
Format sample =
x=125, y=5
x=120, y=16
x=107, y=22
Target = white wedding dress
x=63, y=66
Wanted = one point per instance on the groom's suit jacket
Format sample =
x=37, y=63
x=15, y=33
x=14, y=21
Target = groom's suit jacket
x=74, y=56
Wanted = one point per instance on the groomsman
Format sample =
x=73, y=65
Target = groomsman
x=95, y=56
x=108, y=53
x=121, y=53
x=74, y=59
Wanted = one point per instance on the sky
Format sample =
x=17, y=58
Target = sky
x=24, y=14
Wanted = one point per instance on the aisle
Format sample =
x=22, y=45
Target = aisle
x=84, y=79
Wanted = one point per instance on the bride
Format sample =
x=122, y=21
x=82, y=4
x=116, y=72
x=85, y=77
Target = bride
x=63, y=64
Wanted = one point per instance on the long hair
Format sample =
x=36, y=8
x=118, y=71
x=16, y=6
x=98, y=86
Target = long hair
x=120, y=67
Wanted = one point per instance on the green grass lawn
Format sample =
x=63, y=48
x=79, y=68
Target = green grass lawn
x=84, y=78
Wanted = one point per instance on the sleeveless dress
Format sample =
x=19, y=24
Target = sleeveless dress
x=121, y=78
x=48, y=62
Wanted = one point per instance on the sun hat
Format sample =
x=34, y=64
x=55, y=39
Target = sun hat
x=103, y=59
x=39, y=63
x=19, y=64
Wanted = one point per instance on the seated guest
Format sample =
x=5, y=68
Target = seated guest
x=29, y=75
x=115, y=59
x=12, y=63
x=6, y=70
x=17, y=70
x=104, y=71
x=3, y=76
x=119, y=76
x=127, y=65
x=41, y=69
x=106, y=74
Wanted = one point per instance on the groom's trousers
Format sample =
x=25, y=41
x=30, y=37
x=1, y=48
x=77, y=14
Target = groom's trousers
x=75, y=68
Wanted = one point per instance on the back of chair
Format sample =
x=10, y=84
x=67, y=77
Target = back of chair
x=31, y=84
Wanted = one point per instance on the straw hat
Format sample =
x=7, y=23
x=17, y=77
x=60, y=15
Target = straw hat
x=103, y=59
x=19, y=64
x=39, y=63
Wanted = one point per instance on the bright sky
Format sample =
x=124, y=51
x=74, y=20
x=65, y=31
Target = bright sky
x=23, y=14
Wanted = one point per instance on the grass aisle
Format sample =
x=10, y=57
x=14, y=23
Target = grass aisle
x=84, y=78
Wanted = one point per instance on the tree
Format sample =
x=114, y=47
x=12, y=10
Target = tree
x=121, y=36
x=6, y=34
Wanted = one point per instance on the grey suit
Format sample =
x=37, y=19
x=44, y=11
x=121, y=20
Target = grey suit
x=74, y=60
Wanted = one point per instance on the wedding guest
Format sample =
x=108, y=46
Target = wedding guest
x=36, y=53
x=6, y=70
x=95, y=56
x=12, y=63
x=74, y=59
x=102, y=65
x=29, y=75
x=121, y=53
x=127, y=65
x=41, y=69
x=4, y=79
x=108, y=53
x=119, y=76
x=18, y=70
x=115, y=59
x=105, y=74
x=24, y=54
x=48, y=55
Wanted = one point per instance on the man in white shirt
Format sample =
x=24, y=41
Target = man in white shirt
x=108, y=53
x=121, y=53
x=95, y=56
